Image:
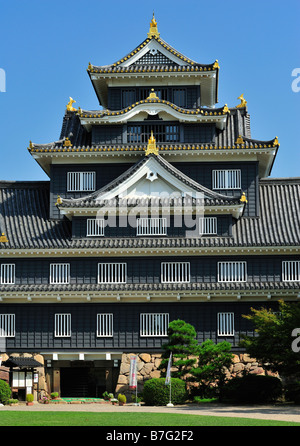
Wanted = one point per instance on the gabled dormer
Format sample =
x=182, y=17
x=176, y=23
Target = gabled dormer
x=130, y=78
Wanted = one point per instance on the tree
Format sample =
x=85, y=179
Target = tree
x=212, y=364
x=182, y=344
x=272, y=344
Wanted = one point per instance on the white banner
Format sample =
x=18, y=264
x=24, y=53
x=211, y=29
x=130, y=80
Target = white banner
x=168, y=377
x=132, y=373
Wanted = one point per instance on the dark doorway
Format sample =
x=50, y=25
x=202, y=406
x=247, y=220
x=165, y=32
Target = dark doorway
x=82, y=382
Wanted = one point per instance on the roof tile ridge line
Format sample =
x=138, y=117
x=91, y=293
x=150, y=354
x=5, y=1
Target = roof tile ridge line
x=26, y=184
x=279, y=180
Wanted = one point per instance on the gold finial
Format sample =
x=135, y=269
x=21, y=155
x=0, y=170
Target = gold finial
x=226, y=109
x=153, y=28
x=67, y=143
x=90, y=66
x=30, y=145
x=69, y=105
x=58, y=201
x=243, y=198
x=243, y=102
x=275, y=142
x=216, y=65
x=152, y=95
x=151, y=147
x=3, y=238
x=239, y=140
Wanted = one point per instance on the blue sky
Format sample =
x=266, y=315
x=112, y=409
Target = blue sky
x=46, y=47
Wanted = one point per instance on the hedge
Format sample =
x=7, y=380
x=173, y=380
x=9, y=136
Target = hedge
x=252, y=389
x=157, y=393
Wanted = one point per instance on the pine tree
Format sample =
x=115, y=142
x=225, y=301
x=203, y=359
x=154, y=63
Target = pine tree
x=182, y=344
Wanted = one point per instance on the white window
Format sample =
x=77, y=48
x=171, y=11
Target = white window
x=62, y=325
x=232, y=271
x=207, y=225
x=105, y=325
x=226, y=179
x=7, y=325
x=7, y=273
x=81, y=181
x=95, y=227
x=154, y=324
x=291, y=271
x=112, y=272
x=59, y=273
x=225, y=324
x=151, y=226
x=175, y=272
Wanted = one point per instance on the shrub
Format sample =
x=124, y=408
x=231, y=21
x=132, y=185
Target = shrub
x=292, y=392
x=29, y=398
x=122, y=398
x=54, y=395
x=157, y=393
x=252, y=389
x=5, y=392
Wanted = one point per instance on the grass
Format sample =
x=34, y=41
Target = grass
x=20, y=418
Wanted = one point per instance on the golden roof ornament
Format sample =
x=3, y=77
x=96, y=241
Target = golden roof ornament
x=70, y=106
x=153, y=32
x=151, y=147
x=67, y=143
x=239, y=140
x=243, y=102
x=275, y=142
x=216, y=64
x=226, y=109
x=59, y=200
x=243, y=198
x=152, y=95
x=3, y=238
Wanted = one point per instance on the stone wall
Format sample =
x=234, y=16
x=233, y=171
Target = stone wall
x=147, y=368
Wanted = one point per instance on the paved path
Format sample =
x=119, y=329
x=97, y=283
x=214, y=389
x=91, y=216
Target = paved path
x=276, y=412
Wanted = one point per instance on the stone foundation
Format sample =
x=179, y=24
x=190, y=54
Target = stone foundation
x=147, y=368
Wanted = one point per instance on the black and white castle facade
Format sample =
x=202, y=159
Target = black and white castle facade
x=159, y=206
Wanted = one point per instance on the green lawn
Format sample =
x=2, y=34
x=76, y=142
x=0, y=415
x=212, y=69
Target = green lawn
x=20, y=418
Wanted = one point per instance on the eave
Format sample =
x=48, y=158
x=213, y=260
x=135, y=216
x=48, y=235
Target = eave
x=152, y=251
x=154, y=107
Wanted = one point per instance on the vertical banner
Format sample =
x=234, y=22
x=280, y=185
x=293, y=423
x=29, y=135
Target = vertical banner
x=132, y=373
x=168, y=376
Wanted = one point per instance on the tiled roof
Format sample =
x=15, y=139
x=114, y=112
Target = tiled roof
x=190, y=65
x=147, y=287
x=24, y=220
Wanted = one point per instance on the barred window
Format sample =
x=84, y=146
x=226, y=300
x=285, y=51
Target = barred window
x=207, y=225
x=105, y=325
x=175, y=272
x=81, y=181
x=95, y=227
x=232, y=271
x=62, y=325
x=226, y=179
x=151, y=226
x=112, y=272
x=291, y=271
x=154, y=324
x=225, y=324
x=7, y=325
x=59, y=273
x=8, y=273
